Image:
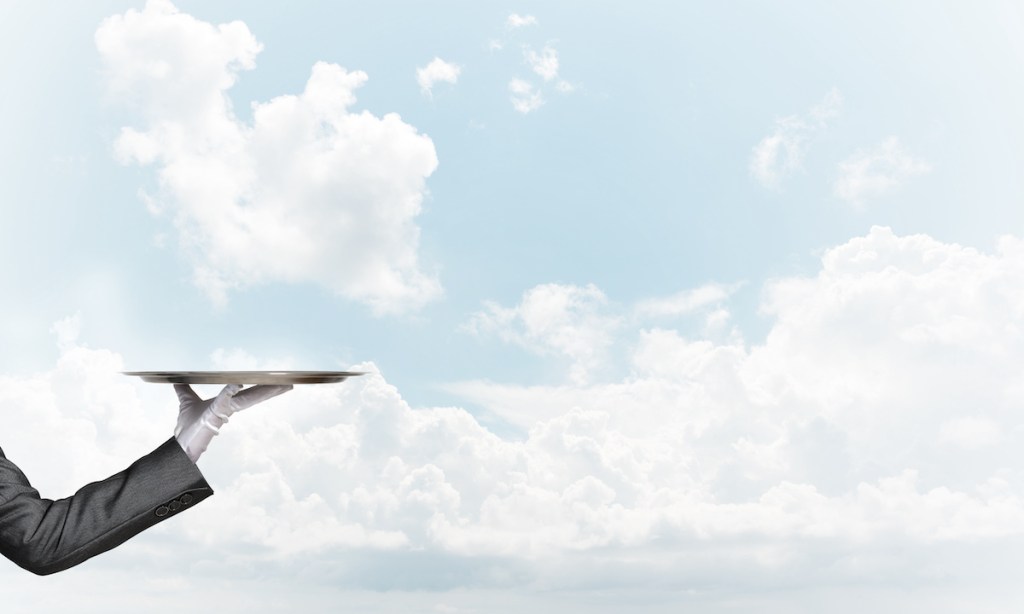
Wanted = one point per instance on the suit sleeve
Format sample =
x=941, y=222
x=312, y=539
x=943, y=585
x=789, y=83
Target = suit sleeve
x=45, y=536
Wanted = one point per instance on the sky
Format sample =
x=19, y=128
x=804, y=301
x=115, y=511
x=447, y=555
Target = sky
x=716, y=306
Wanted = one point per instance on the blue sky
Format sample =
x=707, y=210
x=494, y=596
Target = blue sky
x=764, y=258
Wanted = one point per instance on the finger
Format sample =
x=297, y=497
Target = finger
x=228, y=391
x=258, y=394
x=224, y=404
x=186, y=394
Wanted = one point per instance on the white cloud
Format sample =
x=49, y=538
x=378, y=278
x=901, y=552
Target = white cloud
x=310, y=191
x=518, y=21
x=67, y=330
x=578, y=324
x=686, y=301
x=869, y=174
x=554, y=319
x=874, y=429
x=782, y=152
x=436, y=71
x=525, y=97
x=880, y=404
x=544, y=63
x=80, y=421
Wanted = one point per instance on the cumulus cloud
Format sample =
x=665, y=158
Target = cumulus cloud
x=518, y=21
x=435, y=72
x=873, y=434
x=782, y=152
x=881, y=403
x=80, y=420
x=525, y=97
x=873, y=173
x=309, y=191
x=884, y=321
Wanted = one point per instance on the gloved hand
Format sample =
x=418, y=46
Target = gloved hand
x=199, y=420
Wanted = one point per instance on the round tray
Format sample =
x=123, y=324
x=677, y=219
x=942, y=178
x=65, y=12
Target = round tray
x=244, y=377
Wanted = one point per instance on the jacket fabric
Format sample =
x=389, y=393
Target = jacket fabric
x=45, y=536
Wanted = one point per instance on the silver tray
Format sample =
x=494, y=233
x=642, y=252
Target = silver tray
x=244, y=377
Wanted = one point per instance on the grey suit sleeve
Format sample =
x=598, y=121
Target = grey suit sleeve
x=45, y=536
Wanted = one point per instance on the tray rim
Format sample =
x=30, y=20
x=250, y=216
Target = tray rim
x=244, y=377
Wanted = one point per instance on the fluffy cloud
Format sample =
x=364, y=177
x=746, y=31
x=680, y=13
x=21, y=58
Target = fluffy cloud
x=436, y=71
x=873, y=435
x=81, y=420
x=869, y=174
x=881, y=404
x=525, y=97
x=310, y=191
x=782, y=152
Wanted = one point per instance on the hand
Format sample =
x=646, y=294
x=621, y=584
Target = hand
x=199, y=420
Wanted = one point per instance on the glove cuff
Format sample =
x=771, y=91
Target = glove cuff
x=195, y=438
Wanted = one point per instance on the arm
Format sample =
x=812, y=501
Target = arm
x=45, y=536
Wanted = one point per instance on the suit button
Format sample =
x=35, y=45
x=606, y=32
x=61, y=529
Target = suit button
x=174, y=505
x=186, y=498
x=162, y=510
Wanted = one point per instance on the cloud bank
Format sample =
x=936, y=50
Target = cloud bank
x=311, y=191
x=874, y=433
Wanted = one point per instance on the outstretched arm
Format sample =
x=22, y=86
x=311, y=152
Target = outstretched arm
x=45, y=536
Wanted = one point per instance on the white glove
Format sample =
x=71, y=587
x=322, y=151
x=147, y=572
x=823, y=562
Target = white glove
x=199, y=420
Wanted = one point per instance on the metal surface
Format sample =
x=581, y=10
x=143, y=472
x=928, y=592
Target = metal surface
x=244, y=377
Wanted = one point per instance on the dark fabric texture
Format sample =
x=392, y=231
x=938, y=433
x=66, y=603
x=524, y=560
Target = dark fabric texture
x=45, y=536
